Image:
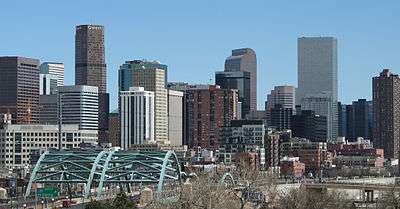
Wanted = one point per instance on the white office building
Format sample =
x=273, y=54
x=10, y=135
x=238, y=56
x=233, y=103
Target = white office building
x=317, y=78
x=47, y=84
x=80, y=106
x=136, y=116
x=55, y=69
x=18, y=142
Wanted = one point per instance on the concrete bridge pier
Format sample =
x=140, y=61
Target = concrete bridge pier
x=368, y=195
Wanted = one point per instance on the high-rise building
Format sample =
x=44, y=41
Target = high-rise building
x=48, y=84
x=53, y=68
x=280, y=117
x=91, y=69
x=114, y=129
x=386, y=113
x=19, y=89
x=48, y=109
x=245, y=60
x=207, y=110
x=152, y=76
x=342, y=127
x=357, y=118
x=126, y=79
x=136, y=116
x=79, y=105
x=306, y=124
x=280, y=95
x=175, y=117
x=322, y=104
x=317, y=75
x=239, y=80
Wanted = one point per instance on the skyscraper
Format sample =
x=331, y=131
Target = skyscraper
x=317, y=75
x=136, y=116
x=90, y=69
x=240, y=81
x=245, y=60
x=386, y=113
x=19, y=88
x=283, y=95
x=55, y=69
x=79, y=106
x=152, y=75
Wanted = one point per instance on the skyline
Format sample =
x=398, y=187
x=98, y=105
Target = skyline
x=363, y=51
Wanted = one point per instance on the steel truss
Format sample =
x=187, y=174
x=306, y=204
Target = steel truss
x=94, y=170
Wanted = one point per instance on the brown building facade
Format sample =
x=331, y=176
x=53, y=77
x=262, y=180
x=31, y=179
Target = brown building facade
x=386, y=113
x=207, y=110
x=91, y=69
x=19, y=89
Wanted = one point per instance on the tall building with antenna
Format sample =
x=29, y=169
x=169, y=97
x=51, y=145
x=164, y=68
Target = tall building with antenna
x=91, y=69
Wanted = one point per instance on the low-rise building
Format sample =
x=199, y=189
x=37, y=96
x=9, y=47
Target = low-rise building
x=292, y=167
x=17, y=142
x=313, y=154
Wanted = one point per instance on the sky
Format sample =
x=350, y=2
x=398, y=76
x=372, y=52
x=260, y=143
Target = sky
x=194, y=37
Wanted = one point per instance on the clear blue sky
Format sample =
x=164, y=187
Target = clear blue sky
x=194, y=37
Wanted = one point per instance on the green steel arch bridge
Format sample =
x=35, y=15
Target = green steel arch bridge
x=95, y=170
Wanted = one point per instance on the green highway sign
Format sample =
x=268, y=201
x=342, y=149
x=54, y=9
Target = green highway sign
x=47, y=192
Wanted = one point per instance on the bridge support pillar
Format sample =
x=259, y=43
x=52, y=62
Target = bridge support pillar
x=368, y=195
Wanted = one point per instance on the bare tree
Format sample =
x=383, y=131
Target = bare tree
x=302, y=199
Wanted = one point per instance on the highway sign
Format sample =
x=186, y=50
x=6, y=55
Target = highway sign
x=47, y=192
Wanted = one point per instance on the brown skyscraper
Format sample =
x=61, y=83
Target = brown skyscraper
x=386, y=113
x=19, y=89
x=90, y=69
x=208, y=109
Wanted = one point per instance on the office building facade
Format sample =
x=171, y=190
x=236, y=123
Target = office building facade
x=91, y=69
x=55, y=69
x=47, y=84
x=152, y=76
x=245, y=60
x=386, y=109
x=317, y=76
x=48, y=109
x=306, y=124
x=322, y=104
x=19, y=89
x=237, y=80
x=137, y=116
x=18, y=142
x=280, y=117
x=80, y=105
x=175, y=117
x=357, y=120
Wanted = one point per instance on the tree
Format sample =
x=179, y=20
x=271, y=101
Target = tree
x=302, y=199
